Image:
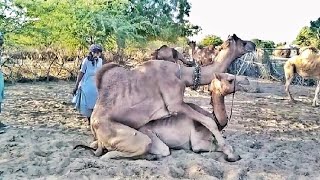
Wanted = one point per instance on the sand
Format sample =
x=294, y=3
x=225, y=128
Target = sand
x=276, y=139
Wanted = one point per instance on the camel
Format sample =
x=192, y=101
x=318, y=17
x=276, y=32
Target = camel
x=170, y=54
x=129, y=99
x=205, y=55
x=167, y=133
x=307, y=64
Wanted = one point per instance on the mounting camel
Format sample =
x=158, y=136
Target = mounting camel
x=169, y=54
x=129, y=99
x=307, y=64
x=167, y=133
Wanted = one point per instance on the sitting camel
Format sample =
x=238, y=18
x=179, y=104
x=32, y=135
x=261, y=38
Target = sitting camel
x=129, y=99
x=307, y=64
x=167, y=133
x=169, y=54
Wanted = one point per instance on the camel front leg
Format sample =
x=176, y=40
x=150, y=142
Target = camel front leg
x=316, y=95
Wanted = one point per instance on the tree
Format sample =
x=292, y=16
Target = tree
x=315, y=27
x=263, y=43
x=309, y=35
x=74, y=24
x=211, y=40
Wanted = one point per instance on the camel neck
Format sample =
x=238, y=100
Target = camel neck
x=219, y=109
x=220, y=65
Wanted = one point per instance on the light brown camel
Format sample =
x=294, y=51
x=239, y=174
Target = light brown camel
x=129, y=99
x=167, y=133
x=203, y=56
x=169, y=54
x=307, y=64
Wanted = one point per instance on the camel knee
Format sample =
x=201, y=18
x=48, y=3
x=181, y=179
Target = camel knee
x=94, y=144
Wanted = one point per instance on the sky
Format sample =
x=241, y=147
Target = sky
x=276, y=20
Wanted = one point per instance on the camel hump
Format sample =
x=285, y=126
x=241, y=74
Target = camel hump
x=163, y=46
x=102, y=71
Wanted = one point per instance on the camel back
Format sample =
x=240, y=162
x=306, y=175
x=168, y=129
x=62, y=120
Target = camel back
x=102, y=71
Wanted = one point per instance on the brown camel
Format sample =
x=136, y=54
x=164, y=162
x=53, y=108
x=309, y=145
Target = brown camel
x=169, y=54
x=203, y=56
x=129, y=99
x=307, y=64
x=167, y=133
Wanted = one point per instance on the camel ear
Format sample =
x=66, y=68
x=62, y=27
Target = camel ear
x=216, y=76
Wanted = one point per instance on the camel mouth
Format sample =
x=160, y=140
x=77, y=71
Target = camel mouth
x=242, y=83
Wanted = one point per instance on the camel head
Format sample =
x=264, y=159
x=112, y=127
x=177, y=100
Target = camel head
x=192, y=44
x=237, y=46
x=224, y=84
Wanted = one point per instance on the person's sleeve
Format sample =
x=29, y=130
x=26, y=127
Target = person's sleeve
x=84, y=66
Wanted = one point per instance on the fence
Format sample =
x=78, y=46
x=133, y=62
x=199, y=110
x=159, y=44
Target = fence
x=263, y=64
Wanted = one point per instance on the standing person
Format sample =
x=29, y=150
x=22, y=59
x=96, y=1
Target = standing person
x=85, y=90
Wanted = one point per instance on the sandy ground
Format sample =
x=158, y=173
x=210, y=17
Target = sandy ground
x=276, y=139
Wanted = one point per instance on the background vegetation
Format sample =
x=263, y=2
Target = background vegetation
x=45, y=39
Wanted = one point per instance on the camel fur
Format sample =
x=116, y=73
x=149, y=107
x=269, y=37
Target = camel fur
x=129, y=99
x=307, y=64
x=182, y=132
x=170, y=54
x=204, y=55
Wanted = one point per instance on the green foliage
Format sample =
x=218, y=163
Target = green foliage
x=70, y=25
x=315, y=27
x=211, y=40
x=263, y=43
x=309, y=36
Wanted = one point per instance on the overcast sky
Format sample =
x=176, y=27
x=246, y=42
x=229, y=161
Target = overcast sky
x=276, y=20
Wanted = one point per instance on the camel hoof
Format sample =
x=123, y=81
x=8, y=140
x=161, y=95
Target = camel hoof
x=314, y=104
x=234, y=158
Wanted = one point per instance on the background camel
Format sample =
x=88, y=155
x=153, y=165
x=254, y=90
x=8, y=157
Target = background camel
x=205, y=55
x=170, y=54
x=307, y=64
x=129, y=99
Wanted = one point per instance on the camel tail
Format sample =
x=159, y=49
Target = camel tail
x=92, y=150
x=102, y=71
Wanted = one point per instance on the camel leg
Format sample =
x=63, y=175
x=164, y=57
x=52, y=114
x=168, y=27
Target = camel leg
x=200, y=110
x=128, y=142
x=316, y=95
x=289, y=75
x=158, y=147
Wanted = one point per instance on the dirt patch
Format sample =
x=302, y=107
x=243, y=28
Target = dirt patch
x=276, y=139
